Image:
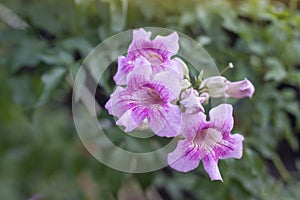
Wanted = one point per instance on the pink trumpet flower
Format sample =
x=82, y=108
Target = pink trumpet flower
x=207, y=141
x=150, y=99
x=157, y=52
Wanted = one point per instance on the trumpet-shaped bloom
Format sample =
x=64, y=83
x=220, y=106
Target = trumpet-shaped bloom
x=207, y=141
x=150, y=99
x=158, y=53
x=219, y=86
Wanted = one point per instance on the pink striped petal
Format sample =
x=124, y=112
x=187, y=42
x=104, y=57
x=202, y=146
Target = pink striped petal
x=210, y=165
x=221, y=118
x=232, y=147
x=165, y=121
x=184, y=158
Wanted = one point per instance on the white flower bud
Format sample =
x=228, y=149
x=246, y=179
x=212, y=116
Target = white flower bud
x=216, y=86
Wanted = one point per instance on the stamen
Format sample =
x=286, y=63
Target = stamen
x=229, y=66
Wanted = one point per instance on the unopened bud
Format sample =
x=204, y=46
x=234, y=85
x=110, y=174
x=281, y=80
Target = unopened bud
x=215, y=86
x=239, y=89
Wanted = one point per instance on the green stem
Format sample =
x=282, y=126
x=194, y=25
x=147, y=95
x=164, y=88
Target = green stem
x=281, y=168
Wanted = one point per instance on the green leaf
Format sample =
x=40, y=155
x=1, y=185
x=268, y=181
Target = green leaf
x=56, y=58
x=22, y=88
x=26, y=53
x=51, y=80
x=276, y=71
x=78, y=43
x=59, y=16
x=294, y=77
x=257, y=47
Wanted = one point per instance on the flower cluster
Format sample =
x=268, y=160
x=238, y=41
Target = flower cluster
x=153, y=87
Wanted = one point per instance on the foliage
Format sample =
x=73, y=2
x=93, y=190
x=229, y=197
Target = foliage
x=41, y=154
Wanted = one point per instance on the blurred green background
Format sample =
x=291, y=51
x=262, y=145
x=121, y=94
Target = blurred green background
x=43, y=42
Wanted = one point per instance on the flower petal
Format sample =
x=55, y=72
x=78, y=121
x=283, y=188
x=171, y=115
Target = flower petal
x=184, y=158
x=117, y=103
x=132, y=118
x=181, y=67
x=124, y=67
x=162, y=47
x=239, y=89
x=232, y=147
x=221, y=118
x=142, y=68
x=191, y=101
x=168, y=43
x=140, y=34
x=136, y=81
x=170, y=80
x=140, y=43
x=210, y=165
x=165, y=121
x=191, y=123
